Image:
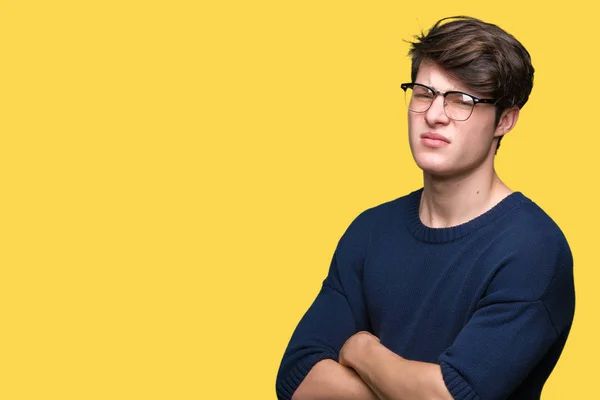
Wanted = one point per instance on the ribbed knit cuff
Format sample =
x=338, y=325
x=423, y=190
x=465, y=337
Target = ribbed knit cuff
x=456, y=384
x=288, y=385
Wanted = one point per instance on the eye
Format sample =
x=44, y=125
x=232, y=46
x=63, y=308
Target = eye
x=459, y=99
x=464, y=103
x=424, y=95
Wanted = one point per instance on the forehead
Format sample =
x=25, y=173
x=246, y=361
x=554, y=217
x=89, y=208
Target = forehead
x=434, y=76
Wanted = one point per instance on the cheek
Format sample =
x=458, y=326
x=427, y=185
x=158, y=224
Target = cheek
x=412, y=127
x=410, y=123
x=474, y=144
x=410, y=133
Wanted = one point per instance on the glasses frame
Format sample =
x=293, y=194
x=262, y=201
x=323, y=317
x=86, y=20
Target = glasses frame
x=476, y=100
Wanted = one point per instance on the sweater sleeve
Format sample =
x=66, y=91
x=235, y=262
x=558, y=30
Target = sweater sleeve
x=522, y=320
x=336, y=314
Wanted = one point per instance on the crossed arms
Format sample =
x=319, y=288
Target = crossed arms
x=511, y=341
x=330, y=356
x=368, y=370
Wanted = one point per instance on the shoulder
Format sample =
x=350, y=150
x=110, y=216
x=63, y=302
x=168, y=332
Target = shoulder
x=533, y=261
x=530, y=230
x=391, y=210
x=368, y=223
x=352, y=248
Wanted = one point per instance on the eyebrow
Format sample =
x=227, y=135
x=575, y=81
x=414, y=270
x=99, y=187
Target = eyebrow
x=451, y=90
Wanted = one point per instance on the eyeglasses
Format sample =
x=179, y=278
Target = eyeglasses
x=458, y=106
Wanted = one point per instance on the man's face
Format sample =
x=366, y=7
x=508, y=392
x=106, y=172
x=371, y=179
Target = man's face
x=466, y=145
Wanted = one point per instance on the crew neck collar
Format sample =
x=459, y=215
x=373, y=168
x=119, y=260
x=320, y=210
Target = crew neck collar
x=441, y=235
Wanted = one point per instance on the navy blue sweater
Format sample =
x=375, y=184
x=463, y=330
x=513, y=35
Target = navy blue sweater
x=491, y=301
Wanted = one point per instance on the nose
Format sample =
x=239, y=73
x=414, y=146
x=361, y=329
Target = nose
x=436, y=113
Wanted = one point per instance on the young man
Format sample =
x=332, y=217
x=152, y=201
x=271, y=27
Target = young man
x=462, y=289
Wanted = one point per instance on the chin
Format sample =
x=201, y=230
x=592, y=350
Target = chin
x=434, y=164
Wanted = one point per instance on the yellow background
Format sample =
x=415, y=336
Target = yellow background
x=175, y=177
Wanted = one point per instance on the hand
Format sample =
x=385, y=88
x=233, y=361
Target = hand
x=354, y=347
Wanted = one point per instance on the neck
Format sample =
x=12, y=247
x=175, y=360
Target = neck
x=451, y=201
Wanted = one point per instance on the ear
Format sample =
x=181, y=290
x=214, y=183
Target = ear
x=507, y=121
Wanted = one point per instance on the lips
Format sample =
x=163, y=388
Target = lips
x=434, y=136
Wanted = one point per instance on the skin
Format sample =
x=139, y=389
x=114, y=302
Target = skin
x=390, y=376
x=460, y=183
x=329, y=380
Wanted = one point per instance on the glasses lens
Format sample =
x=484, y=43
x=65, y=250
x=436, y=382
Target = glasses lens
x=418, y=99
x=459, y=106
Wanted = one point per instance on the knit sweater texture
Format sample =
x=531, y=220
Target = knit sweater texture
x=491, y=300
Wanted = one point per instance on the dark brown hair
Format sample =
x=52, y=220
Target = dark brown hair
x=480, y=55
